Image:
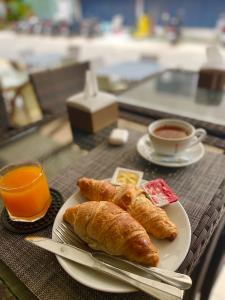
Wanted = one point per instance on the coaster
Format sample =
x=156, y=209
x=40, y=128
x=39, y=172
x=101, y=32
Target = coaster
x=30, y=227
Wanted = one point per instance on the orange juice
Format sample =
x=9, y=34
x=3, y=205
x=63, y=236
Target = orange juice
x=25, y=192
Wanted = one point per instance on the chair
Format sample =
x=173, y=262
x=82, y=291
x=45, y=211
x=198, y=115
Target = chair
x=53, y=87
x=31, y=104
x=207, y=271
x=4, y=120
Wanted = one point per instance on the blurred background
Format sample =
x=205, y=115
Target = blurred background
x=166, y=56
x=115, y=37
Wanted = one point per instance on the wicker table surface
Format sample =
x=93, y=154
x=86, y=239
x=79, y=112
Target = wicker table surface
x=200, y=186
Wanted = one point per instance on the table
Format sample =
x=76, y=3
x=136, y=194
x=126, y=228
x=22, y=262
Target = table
x=203, y=181
x=30, y=264
x=176, y=92
x=131, y=71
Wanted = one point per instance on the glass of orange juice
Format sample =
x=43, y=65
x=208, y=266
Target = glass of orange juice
x=24, y=191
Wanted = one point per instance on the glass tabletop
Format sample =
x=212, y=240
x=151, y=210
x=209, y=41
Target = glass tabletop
x=176, y=92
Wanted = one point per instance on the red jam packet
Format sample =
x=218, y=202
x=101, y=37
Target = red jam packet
x=159, y=192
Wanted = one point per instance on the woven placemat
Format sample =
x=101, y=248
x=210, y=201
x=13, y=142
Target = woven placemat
x=200, y=187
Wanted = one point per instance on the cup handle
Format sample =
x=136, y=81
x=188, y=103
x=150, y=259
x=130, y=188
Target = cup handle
x=200, y=134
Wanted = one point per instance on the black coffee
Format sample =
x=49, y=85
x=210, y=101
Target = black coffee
x=171, y=132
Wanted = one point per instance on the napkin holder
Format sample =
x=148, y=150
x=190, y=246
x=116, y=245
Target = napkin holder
x=212, y=73
x=92, y=110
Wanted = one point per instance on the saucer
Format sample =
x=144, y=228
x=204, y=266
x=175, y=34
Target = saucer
x=186, y=158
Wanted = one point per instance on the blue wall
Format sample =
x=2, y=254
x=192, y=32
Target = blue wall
x=196, y=13
x=105, y=9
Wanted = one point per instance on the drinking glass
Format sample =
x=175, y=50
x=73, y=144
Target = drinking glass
x=25, y=192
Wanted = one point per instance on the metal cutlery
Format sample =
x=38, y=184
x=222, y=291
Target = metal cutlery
x=65, y=234
x=154, y=288
x=168, y=159
x=177, y=159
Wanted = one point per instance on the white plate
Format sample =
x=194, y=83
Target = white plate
x=171, y=254
x=188, y=157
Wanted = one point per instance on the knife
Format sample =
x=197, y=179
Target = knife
x=154, y=288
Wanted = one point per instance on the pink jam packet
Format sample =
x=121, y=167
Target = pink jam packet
x=159, y=192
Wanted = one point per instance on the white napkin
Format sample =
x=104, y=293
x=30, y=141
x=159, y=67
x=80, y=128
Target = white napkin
x=91, y=99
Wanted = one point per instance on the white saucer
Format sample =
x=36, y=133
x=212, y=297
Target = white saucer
x=186, y=158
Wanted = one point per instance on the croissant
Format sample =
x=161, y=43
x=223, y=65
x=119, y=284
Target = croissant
x=132, y=199
x=107, y=227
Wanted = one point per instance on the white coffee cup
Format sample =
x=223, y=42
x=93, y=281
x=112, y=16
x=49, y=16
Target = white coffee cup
x=172, y=146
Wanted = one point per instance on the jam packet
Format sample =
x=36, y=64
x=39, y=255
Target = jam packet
x=127, y=176
x=159, y=192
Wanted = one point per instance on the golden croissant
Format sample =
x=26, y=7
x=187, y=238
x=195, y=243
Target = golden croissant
x=132, y=199
x=107, y=227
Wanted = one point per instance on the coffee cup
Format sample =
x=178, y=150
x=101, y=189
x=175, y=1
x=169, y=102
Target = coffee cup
x=172, y=136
